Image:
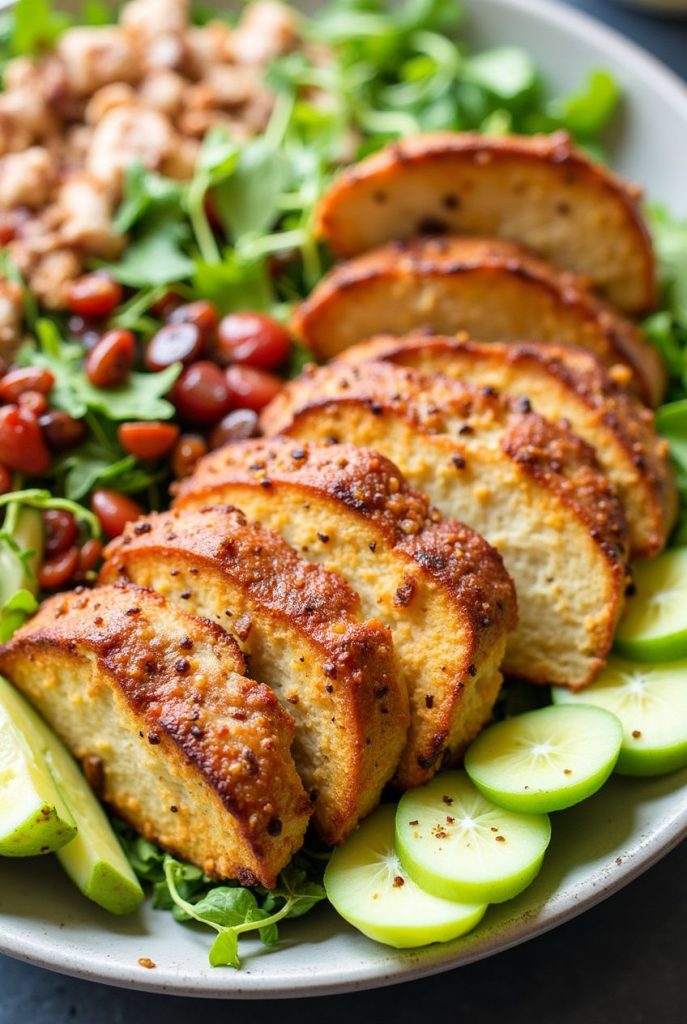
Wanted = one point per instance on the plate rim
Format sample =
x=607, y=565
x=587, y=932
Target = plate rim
x=658, y=844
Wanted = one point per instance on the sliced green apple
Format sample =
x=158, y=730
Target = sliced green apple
x=654, y=624
x=457, y=844
x=93, y=857
x=545, y=760
x=34, y=817
x=367, y=885
x=651, y=703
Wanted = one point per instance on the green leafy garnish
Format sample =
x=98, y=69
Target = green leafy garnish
x=36, y=26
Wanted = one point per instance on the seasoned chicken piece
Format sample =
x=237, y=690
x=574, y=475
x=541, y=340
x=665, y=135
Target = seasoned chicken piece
x=11, y=316
x=27, y=179
x=265, y=31
x=561, y=382
x=157, y=28
x=207, y=46
x=52, y=273
x=494, y=290
x=539, y=191
x=163, y=90
x=439, y=587
x=192, y=753
x=299, y=628
x=25, y=118
x=531, y=488
x=117, y=94
x=93, y=57
x=126, y=134
x=87, y=209
x=231, y=85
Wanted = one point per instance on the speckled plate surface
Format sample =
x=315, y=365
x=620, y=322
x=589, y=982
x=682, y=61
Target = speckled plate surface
x=597, y=847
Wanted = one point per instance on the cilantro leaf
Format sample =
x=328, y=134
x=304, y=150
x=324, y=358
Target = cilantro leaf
x=36, y=26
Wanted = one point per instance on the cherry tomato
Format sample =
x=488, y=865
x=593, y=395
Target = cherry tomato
x=61, y=431
x=56, y=572
x=94, y=295
x=18, y=382
x=21, y=441
x=110, y=361
x=202, y=314
x=238, y=425
x=252, y=338
x=5, y=480
x=90, y=554
x=250, y=388
x=34, y=401
x=60, y=531
x=201, y=393
x=147, y=440
x=188, y=449
x=174, y=343
x=114, y=510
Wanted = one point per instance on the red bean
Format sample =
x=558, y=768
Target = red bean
x=87, y=332
x=90, y=554
x=238, y=425
x=5, y=480
x=165, y=305
x=252, y=338
x=18, y=382
x=61, y=431
x=148, y=440
x=111, y=360
x=94, y=295
x=188, y=449
x=114, y=510
x=21, y=442
x=34, y=401
x=56, y=572
x=201, y=394
x=174, y=343
x=202, y=314
x=250, y=388
x=60, y=531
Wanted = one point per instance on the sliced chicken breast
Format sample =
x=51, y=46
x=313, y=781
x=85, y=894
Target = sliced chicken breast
x=561, y=382
x=156, y=704
x=532, y=488
x=493, y=290
x=300, y=631
x=441, y=590
x=540, y=191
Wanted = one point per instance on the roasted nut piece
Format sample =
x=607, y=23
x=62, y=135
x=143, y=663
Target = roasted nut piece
x=194, y=755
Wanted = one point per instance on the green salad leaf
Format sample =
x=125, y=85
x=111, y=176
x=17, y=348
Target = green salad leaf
x=36, y=26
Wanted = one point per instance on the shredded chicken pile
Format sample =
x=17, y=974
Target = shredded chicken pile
x=71, y=122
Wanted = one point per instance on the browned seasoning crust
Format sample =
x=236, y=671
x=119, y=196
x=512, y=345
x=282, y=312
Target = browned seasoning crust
x=539, y=191
x=494, y=290
x=440, y=587
x=566, y=383
x=531, y=487
x=299, y=627
x=194, y=755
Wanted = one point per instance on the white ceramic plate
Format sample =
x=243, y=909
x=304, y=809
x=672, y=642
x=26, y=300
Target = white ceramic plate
x=597, y=847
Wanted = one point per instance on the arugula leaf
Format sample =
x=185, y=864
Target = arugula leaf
x=670, y=239
x=506, y=72
x=247, y=201
x=587, y=112
x=96, y=12
x=36, y=26
x=234, y=284
x=156, y=255
x=144, y=191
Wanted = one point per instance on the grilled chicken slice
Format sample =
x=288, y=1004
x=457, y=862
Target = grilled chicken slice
x=531, y=488
x=439, y=587
x=493, y=290
x=539, y=191
x=299, y=628
x=156, y=704
x=561, y=382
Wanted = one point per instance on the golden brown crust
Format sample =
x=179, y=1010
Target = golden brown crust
x=547, y=195
x=445, y=284
x=182, y=680
x=360, y=486
x=573, y=385
x=342, y=672
x=467, y=427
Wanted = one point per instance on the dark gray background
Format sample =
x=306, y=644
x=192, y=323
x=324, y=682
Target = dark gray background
x=621, y=963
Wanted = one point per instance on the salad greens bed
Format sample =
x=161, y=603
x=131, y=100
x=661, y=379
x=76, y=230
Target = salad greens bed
x=390, y=74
